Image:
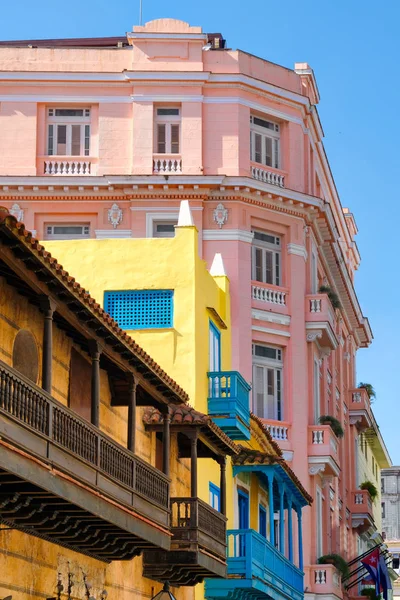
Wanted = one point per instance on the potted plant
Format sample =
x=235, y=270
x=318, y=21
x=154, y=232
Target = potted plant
x=369, y=389
x=333, y=297
x=337, y=561
x=370, y=593
x=370, y=487
x=334, y=424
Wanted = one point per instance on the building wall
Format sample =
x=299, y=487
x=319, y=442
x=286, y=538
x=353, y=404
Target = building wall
x=30, y=566
x=391, y=500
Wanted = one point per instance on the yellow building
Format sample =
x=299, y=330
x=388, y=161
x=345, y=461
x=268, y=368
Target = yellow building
x=160, y=292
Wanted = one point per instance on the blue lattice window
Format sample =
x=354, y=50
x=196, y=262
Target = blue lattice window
x=140, y=309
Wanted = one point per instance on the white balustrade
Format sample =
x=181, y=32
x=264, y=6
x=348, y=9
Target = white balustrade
x=268, y=295
x=315, y=305
x=333, y=444
x=67, y=167
x=318, y=436
x=336, y=580
x=168, y=164
x=268, y=176
x=278, y=432
x=320, y=576
x=358, y=498
x=357, y=397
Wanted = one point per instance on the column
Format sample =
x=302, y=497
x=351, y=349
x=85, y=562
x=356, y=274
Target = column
x=166, y=442
x=290, y=530
x=132, y=414
x=48, y=307
x=222, y=484
x=193, y=466
x=281, y=519
x=95, y=351
x=271, y=507
x=300, y=536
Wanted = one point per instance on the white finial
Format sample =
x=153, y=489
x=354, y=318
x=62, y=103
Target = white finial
x=218, y=267
x=185, y=215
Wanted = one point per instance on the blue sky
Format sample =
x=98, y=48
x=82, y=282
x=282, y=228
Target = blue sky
x=353, y=49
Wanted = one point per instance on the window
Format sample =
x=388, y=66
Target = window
x=164, y=229
x=395, y=562
x=68, y=131
x=318, y=517
x=140, y=309
x=266, y=258
x=262, y=521
x=167, y=131
x=215, y=496
x=383, y=510
x=243, y=513
x=317, y=395
x=382, y=486
x=214, y=348
x=264, y=142
x=267, y=382
x=66, y=231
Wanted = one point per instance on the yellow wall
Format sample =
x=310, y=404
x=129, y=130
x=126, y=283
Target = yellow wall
x=366, y=473
x=28, y=565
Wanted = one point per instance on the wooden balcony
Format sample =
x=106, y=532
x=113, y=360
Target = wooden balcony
x=228, y=403
x=325, y=580
x=256, y=569
x=361, y=509
x=198, y=546
x=323, y=450
x=320, y=321
x=64, y=480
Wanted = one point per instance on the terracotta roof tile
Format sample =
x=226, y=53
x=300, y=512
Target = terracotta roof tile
x=37, y=249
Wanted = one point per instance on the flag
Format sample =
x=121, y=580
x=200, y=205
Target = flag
x=371, y=563
x=384, y=576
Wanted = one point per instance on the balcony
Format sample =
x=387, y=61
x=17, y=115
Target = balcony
x=361, y=510
x=70, y=477
x=360, y=409
x=320, y=321
x=268, y=175
x=280, y=432
x=256, y=569
x=67, y=166
x=228, y=403
x=323, y=450
x=198, y=545
x=268, y=294
x=325, y=580
x=167, y=164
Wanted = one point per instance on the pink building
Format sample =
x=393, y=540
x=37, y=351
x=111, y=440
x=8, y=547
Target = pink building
x=104, y=137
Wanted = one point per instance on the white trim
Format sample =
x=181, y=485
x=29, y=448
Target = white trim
x=103, y=234
x=161, y=216
x=145, y=35
x=268, y=330
x=270, y=317
x=288, y=456
x=166, y=76
x=318, y=326
x=236, y=235
x=165, y=209
x=59, y=76
x=298, y=250
x=67, y=99
x=255, y=106
x=165, y=98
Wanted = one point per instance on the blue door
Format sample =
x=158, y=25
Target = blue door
x=262, y=521
x=243, y=510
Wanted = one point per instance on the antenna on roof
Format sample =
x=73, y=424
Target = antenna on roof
x=140, y=11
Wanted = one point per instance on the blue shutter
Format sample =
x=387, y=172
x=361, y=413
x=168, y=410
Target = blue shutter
x=140, y=309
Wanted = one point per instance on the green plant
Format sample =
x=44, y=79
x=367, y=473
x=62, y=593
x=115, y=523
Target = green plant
x=334, y=424
x=337, y=561
x=369, y=389
x=370, y=487
x=369, y=593
x=333, y=297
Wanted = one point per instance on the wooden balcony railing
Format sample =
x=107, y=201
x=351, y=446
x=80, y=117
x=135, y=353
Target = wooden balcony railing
x=195, y=522
x=60, y=428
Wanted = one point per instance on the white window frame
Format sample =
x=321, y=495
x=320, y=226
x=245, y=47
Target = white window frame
x=168, y=121
x=85, y=227
x=157, y=217
x=263, y=135
x=272, y=406
x=52, y=123
x=268, y=251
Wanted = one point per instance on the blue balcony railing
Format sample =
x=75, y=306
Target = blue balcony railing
x=255, y=565
x=228, y=403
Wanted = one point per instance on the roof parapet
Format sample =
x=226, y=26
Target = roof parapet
x=308, y=81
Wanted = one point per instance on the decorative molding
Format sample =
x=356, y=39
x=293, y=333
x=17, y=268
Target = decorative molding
x=104, y=234
x=316, y=468
x=146, y=35
x=298, y=250
x=313, y=336
x=228, y=235
x=270, y=317
x=268, y=330
x=220, y=215
x=325, y=352
x=287, y=455
x=165, y=209
x=347, y=356
x=115, y=215
x=63, y=98
x=159, y=216
x=153, y=76
x=17, y=212
x=165, y=98
x=318, y=464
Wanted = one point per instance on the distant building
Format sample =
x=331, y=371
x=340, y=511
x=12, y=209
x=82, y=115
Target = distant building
x=390, y=503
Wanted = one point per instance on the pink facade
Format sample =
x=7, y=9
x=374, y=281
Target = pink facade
x=279, y=224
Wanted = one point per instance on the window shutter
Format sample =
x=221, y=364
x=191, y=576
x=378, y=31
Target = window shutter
x=61, y=140
x=75, y=140
x=161, y=139
x=257, y=264
x=174, y=139
x=268, y=267
x=257, y=148
x=50, y=141
x=276, y=154
x=271, y=394
x=268, y=151
x=258, y=397
x=87, y=140
x=277, y=268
